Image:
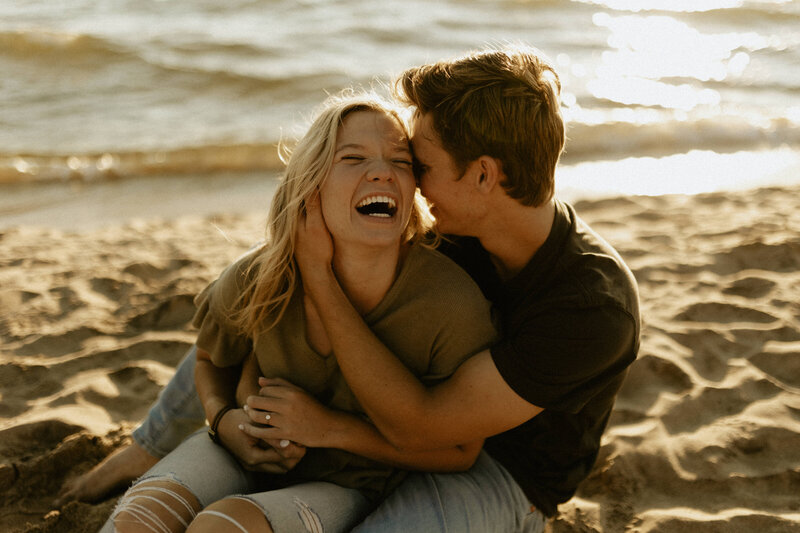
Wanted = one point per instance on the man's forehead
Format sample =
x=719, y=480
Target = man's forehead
x=422, y=130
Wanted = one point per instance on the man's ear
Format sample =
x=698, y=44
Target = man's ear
x=488, y=173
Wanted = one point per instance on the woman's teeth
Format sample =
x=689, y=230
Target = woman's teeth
x=377, y=206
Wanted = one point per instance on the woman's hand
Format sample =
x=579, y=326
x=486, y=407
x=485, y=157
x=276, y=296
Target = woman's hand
x=250, y=451
x=314, y=244
x=293, y=414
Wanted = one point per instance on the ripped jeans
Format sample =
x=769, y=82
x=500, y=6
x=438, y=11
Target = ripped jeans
x=483, y=499
x=210, y=473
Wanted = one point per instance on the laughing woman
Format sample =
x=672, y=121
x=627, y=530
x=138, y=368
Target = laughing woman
x=356, y=162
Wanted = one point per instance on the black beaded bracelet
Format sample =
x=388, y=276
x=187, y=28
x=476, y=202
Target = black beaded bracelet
x=212, y=430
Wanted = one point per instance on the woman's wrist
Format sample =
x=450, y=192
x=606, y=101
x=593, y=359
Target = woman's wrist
x=213, y=429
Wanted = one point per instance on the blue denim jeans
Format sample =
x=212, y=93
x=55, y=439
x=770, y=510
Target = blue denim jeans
x=483, y=499
x=211, y=473
x=176, y=414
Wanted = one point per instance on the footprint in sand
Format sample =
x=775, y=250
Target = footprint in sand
x=134, y=388
x=713, y=403
x=710, y=351
x=649, y=377
x=68, y=342
x=22, y=383
x=750, y=287
x=113, y=289
x=773, y=257
x=781, y=361
x=724, y=313
x=174, y=312
x=147, y=271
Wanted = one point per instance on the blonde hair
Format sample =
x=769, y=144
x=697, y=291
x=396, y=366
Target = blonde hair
x=503, y=103
x=272, y=277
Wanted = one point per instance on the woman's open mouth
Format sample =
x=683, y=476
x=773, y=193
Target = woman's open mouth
x=377, y=206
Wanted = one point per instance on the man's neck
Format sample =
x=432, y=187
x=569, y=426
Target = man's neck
x=514, y=233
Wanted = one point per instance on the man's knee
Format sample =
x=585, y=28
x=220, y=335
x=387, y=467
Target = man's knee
x=156, y=505
x=231, y=514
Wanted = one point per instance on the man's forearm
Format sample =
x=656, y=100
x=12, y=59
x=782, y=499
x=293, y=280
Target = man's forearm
x=375, y=375
x=359, y=437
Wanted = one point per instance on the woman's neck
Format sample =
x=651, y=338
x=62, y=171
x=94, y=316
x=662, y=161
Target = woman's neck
x=367, y=274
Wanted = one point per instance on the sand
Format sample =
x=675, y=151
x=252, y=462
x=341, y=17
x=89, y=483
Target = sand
x=706, y=431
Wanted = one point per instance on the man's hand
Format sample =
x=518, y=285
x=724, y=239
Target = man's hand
x=294, y=415
x=251, y=452
x=314, y=246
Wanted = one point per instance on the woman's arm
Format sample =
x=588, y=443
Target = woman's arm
x=216, y=388
x=298, y=417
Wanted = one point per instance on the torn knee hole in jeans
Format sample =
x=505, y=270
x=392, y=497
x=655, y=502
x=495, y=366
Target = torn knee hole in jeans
x=307, y=515
x=137, y=504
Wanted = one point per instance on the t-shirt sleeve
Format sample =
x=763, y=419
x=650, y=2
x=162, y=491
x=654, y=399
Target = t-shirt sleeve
x=561, y=359
x=217, y=334
x=466, y=328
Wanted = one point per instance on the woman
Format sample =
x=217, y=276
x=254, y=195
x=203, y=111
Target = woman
x=356, y=162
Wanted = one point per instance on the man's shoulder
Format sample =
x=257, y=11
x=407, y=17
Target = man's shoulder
x=591, y=267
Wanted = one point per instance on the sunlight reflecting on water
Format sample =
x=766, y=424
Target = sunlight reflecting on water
x=685, y=6
x=646, y=50
x=698, y=171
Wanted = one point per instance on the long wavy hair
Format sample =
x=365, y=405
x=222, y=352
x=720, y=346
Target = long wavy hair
x=272, y=277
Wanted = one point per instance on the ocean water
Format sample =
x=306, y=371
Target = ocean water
x=660, y=95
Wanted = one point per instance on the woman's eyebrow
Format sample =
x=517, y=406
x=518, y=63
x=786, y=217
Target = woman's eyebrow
x=350, y=146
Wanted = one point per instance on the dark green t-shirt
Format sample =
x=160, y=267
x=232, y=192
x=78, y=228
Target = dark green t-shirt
x=569, y=329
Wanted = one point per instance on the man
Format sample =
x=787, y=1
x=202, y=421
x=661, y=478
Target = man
x=488, y=134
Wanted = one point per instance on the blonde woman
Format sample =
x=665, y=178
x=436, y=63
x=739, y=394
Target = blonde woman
x=355, y=163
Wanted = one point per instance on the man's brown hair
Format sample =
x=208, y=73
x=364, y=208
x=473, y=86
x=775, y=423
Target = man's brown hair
x=503, y=103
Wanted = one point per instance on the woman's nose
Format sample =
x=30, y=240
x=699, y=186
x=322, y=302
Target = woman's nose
x=381, y=170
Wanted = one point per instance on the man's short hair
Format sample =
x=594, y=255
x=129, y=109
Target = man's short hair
x=503, y=103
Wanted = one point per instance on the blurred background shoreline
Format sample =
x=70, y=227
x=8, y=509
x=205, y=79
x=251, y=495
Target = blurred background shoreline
x=121, y=109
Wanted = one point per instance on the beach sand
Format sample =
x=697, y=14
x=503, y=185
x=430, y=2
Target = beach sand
x=706, y=431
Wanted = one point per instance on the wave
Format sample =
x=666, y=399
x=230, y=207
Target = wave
x=615, y=140
x=92, y=52
x=21, y=168
x=30, y=43
x=625, y=139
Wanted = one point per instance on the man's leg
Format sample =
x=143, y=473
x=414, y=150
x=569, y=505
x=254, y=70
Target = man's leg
x=174, y=416
x=482, y=500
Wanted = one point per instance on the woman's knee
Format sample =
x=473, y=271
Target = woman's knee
x=231, y=514
x=157, y=505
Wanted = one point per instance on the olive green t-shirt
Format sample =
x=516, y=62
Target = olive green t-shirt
x=432, y=318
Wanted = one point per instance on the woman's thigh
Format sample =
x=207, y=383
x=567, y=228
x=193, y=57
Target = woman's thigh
x=196, y=474
x=312, y=507
x=208, y=470
x=483, y=499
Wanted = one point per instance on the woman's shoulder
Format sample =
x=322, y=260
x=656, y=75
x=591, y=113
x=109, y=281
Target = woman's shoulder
x=225, y=290
x=434, y=270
